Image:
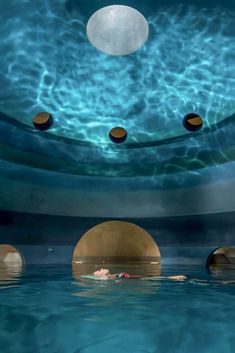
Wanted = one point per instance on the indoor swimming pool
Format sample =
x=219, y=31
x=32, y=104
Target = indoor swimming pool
x=48, y=309
x=117, y=130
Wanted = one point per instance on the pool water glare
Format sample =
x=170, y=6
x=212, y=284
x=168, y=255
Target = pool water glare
x=49, y=310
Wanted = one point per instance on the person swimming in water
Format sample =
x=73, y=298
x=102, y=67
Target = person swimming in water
x=104, y=273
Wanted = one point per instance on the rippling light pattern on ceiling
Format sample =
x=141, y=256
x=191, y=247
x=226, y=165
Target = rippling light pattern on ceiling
x=188, y=64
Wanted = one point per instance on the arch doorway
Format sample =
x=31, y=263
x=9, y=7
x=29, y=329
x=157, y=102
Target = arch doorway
x=221, y=260
x=11, y=263
x=117, y=245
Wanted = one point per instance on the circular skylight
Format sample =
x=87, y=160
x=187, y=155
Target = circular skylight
x=117, y=30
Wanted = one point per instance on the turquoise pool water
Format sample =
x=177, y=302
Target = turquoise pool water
x=49, y=310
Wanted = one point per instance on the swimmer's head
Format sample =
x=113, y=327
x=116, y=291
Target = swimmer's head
x=102, y=272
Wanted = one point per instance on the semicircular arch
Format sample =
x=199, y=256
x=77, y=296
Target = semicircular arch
x=117, y=240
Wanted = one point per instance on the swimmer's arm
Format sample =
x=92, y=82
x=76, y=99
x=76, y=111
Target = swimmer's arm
x=178, y=277
x=175, y=278
x=115, y=275
x=112, y=276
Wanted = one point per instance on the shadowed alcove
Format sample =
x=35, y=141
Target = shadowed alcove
x=221, y=262
x=118, y=244
x=223, y=256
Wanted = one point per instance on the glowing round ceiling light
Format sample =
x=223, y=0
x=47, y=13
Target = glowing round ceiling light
x=117, y=30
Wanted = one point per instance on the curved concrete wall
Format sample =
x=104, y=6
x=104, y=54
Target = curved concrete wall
x=52, y=239
x=118, y=200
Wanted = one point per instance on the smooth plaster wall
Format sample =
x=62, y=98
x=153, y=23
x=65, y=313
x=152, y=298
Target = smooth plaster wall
x=122, y=201
x=52, y=239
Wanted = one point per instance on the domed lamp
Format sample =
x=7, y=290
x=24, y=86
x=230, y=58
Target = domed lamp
x=43, y=121
x=118, y=134
x=192, y=122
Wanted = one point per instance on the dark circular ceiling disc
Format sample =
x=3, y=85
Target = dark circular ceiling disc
x=43, y=121
x=192, y=122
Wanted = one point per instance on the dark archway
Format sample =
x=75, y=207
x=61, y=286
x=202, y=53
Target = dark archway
x=221, y=261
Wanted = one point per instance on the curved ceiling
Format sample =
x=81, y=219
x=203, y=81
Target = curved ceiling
x=48, y=64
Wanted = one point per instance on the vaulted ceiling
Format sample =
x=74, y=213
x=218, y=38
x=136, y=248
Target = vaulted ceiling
x=187, y=65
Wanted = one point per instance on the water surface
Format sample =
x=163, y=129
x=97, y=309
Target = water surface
x=48, y=310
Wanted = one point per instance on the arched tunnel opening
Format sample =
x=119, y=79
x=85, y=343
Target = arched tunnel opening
x=119, y=246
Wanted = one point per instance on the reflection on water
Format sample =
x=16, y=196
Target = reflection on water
x=67, y=315
x=121, y=293
x=130, y=288
x=135, y=268
x=10, y=273
x=223, y=272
